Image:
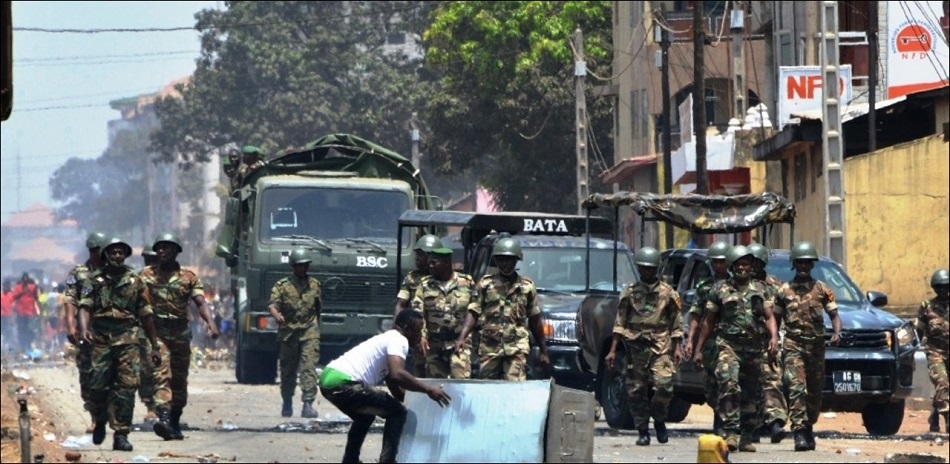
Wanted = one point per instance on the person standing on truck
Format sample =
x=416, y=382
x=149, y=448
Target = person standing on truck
x=650, y=325
x=74, y=283
x=443, y=299
x=114, y=307
x=146, y=380
x=932, y=323
x=507, y=304
x=800, y=303
x=349, y=383
x=716, y=254
x=410, y=284
x=252, y=159
x=171, y=288
x=739, y=308
x=295, y=304
x=775, y=408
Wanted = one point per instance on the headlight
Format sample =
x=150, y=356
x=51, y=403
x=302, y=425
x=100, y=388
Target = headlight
x=561, y=330
x=906, y=337
x=265, y=323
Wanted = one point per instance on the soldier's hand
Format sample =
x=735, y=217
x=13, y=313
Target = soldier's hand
x=835, y=338
x=688, y=350
x=545, y=361
x=212, y=331
x=280, y=318
x=678, y=355
x=85, y=336
x=609, y=359
x=459, y=345
x=424, y=346
x=698, y=360
x=73, y=338
x=156, y=358
x=439, y=396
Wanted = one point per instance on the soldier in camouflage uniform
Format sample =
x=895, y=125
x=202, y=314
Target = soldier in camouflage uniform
x=252, y=159
x=504, y=305
x=716, y=254
x=295, y=304
x=650, y=325
x=801, y=304
x=410, y=284
x=230, y=165
x=932, y=323
x=114, y=307
x=146, y=382
x=443, y=299
x=170, y=289
x=775, y=409
x=71, y=295
x=738, y=308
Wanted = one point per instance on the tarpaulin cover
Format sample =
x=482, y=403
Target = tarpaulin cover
x=703, y=213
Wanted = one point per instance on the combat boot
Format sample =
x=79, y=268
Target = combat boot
x=287, y=409
x=810, y=437
x=732, y=441
x=175, y=424
x=644, y=439
x=162, y=427
x=120, y=442
x=934, y=420
x=662, y=435
x=745, y=444
x=946, y=422
x=99, y=432
x=717, y=424
x=308, y=412
x=756, y=435
x=777, y=431
x=801, y=443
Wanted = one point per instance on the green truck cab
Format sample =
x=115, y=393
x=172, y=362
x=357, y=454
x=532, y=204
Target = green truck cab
x=337, y=197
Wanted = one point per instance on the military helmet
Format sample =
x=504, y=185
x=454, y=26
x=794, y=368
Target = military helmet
x=717, y=250
x=940, y=277
x=427, y=243
x=759, y=251
x=735, y=253
x=299, y=256
x=252, y=150
x=96, y=240
x=166, y=237
x=803, y=250
x=147, y=250
x=647, y=256
x=507, y=247
x=115, y=241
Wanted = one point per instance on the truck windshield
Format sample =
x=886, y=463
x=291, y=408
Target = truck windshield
x=562, y=269
x=330, y=214
x=827, y=272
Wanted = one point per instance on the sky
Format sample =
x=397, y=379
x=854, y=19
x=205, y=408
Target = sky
x=63, y=82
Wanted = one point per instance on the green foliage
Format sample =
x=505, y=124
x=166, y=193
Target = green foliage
x=506, y=95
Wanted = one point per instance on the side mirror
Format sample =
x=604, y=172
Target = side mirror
x=877, y=299
x=222, y=251
x=689, y=298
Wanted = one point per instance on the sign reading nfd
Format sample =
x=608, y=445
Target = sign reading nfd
x=800, y=90
x=917, y=52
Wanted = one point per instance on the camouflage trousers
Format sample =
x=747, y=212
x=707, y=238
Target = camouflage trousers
x=939, y=363
x=500, y=366
x=643, y=369
x=710, y=360
x=113, y=378
x=805, y=375
x=739, y=373
x=442, y=362
x=299, y=353
x=146, y=381
x=773, y=395
x=171, y=376
x=84, y=366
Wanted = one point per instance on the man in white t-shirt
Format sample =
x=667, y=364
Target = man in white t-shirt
x=348, y=382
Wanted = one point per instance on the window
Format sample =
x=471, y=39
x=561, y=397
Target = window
x=786, y=49
x=817, y=166
x=634, y=117
x=801, y=177
x=644, y=111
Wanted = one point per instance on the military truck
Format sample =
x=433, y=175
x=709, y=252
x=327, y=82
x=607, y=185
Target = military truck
x=338, y=197
x=571, y=268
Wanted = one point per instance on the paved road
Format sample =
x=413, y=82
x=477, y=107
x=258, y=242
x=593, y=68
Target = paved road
x=242, y=423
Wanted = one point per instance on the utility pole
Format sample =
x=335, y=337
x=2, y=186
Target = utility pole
x=580, y=71
x=831, y=139
x=414, y=137
x=737, y=26
x=667, y=136
x=699, y=107
x=872, y=75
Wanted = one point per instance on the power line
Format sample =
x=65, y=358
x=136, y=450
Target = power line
x=97, y=63
x=97, y=57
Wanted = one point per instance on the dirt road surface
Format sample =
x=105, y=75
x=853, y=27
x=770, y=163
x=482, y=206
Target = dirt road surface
x=228, y=422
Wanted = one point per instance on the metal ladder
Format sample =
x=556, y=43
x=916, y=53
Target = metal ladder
x=831, y=140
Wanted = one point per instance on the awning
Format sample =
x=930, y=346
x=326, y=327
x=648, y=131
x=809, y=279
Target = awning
x=852, y=111
x=626, y=168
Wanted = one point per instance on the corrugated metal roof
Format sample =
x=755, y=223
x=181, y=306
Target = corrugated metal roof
x=850, y=112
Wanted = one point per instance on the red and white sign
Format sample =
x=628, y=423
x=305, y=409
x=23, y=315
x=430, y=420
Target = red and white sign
x=917, y=52
x=799, y=90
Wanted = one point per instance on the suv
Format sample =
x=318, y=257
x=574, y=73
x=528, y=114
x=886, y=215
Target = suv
x=870, y=371
x=555, y=250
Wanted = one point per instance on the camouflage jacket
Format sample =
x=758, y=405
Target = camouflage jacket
x=74, y=283
x=410, y=284
x=741, y=310
x=774, y=286
x=116, y=305
x=298, y=301
x=170, y=292
x=801, y=306
x=503, y=307
x=933, y=324
x=650, y=313
x=703, y=288
x=444, y=306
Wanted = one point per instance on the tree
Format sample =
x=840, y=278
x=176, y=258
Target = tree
x=279, y=74
x=506, y=95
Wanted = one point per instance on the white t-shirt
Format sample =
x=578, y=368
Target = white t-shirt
x=367, y=361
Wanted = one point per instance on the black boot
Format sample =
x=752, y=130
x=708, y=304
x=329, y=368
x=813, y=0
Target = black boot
x=644, y=439
x=810, y=437
x=934, y=420
x=777, y=431
x=99, y=432
x=946, y=421
x=287, y=409
x=717, y=424
x=120, y=442
x=755, y=436
x=801, y=443
x=162, y=427
x=175, y=423
x=662, y=435
x=308, y=412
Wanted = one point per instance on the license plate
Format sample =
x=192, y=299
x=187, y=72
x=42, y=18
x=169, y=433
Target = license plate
x=847, y=381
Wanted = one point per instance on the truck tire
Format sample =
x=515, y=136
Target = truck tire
x=679, y=409
x=613, y=395
x=255, y=367
x=883, y=418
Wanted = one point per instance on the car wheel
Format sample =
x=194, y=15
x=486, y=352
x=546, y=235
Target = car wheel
x=613, y=395
x=679, y=409
x=883, y=418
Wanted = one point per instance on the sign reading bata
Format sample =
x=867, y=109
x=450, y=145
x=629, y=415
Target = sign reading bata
x=799, y=90
x=918, y=58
